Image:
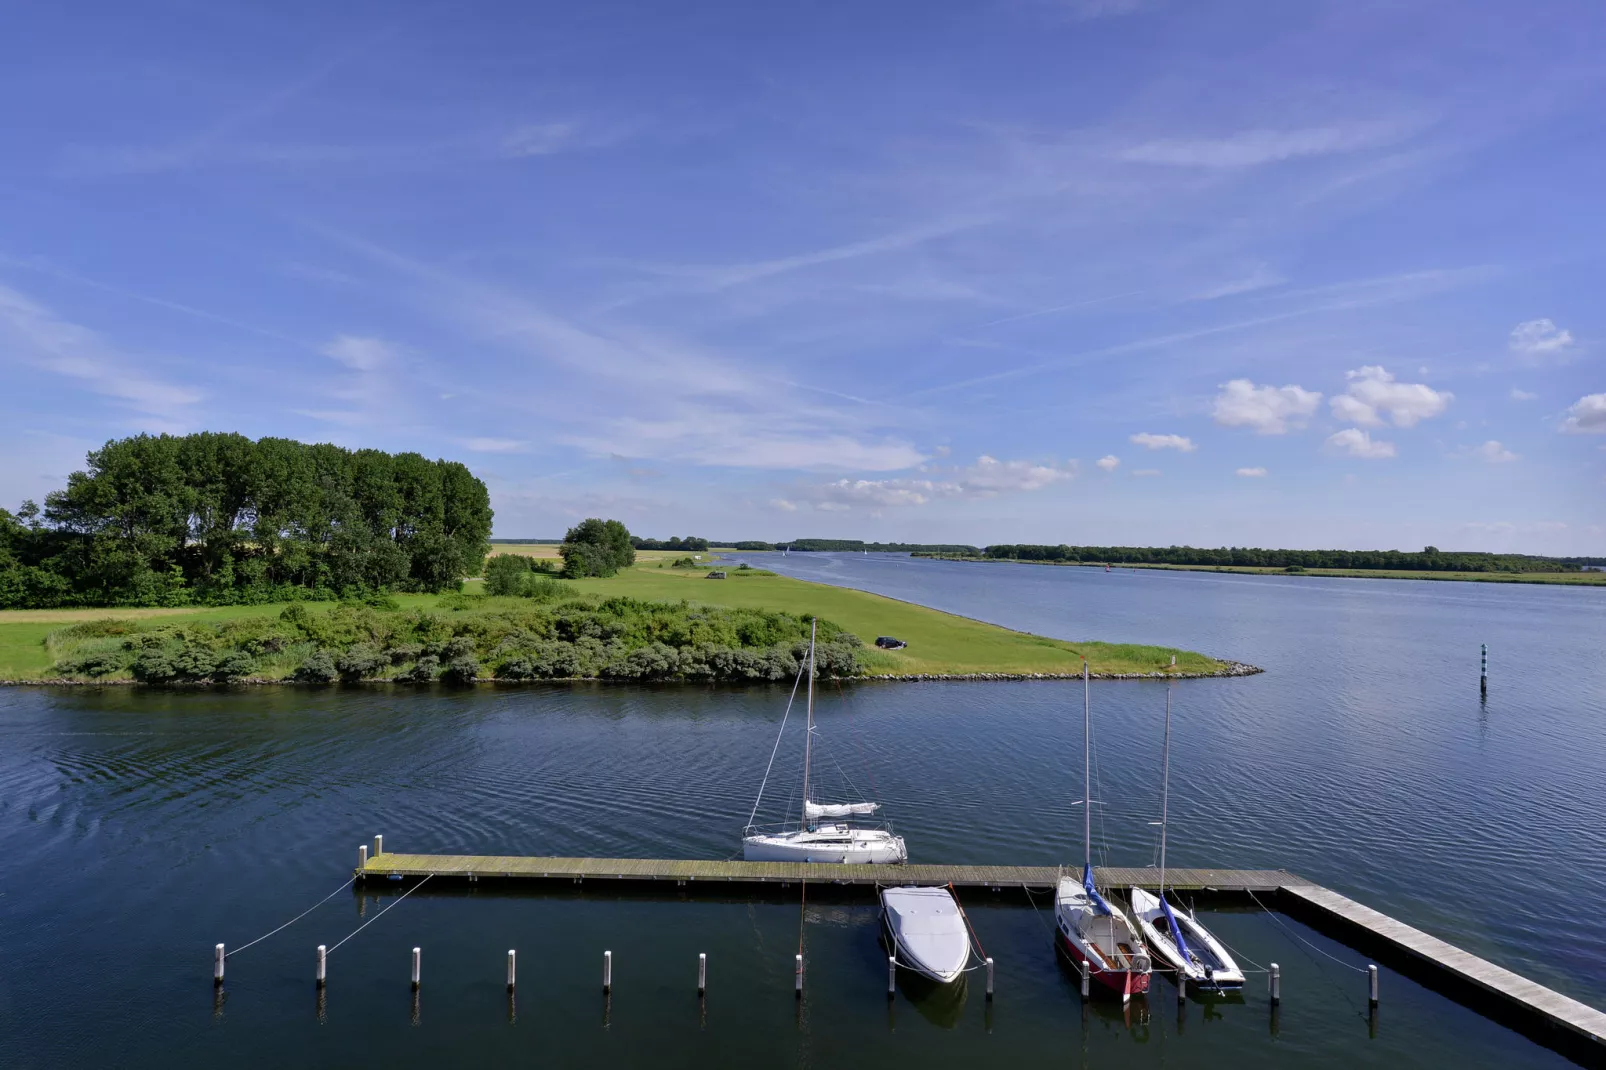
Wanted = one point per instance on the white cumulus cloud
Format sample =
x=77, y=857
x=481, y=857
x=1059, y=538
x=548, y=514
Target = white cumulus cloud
x=1269, y=410
x=1164, y=442
x=1357, y=443
x=1374, y=394
x=1109, y=462
x=1494, y=453
x=1540, y=338
x=1252, y=473
x=1522, y=395
x=1586, y=416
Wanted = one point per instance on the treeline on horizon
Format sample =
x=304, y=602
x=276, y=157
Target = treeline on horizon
x=220, y=519
x=1430, y=559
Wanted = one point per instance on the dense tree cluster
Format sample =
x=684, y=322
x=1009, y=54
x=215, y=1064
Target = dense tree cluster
x=618, y=638
x=520, y=575
x=857, y=545
x=690, y=542
x=219, y=518
x=1431, y=559
x=596, y=548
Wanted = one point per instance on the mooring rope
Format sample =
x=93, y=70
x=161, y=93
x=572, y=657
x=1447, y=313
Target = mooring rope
x=381, y=914
x=1301, y=939
x=343, y=885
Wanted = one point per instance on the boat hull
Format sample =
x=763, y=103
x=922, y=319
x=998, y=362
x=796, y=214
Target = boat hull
x=866, y=847
x=927, y=932
x=1123, y=983
x=1213, y=967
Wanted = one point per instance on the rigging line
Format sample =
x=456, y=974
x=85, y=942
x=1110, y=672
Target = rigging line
x=344, y=884
x=973, y=937
x=774, y=749
x=1301, y=939
x=1035, y=908
x=381, y=914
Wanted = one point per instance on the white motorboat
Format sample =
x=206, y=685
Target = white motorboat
x=1182, y=944
x=824, y=831
x=928, y=931
x=1089, y=928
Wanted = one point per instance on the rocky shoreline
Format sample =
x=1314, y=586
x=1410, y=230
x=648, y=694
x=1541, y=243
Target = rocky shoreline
x=1234, y=668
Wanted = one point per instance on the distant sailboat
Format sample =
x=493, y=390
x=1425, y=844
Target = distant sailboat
x=1089, y=928
x=813, y=839
x=1181, y=942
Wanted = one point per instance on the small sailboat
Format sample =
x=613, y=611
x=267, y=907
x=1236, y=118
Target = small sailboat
x=1182, y=944
x=927, y=931
x=823, y=834
x=1088, y=927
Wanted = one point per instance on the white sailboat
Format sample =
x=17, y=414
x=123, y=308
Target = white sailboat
x=1088, y=927
x=1181, y=942
x=927, y=930
x=822, y=834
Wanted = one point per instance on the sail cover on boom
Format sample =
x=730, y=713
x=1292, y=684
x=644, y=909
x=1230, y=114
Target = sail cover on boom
x=1176, y=930
x=1093, y=893
x=812, y=810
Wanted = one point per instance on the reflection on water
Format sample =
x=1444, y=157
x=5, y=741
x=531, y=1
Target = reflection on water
x=140, y=828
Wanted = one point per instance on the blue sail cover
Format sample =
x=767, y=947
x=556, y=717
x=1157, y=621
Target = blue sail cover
x=1092, y=892
x=1176, y=931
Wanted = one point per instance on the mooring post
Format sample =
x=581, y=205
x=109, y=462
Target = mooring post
x=702, y=972
x=989, y=978
x=1276, y=984
x=798, y=983
x=607, y=972
x=1182, y=987
x=1371, y=986
x=418, y=965
x=1086, y=981
x=362, y=856
x=323, y=964
x=217, y=964
x=892, y=976
x=379, y=846
x=1483, y=670
x=512, y=968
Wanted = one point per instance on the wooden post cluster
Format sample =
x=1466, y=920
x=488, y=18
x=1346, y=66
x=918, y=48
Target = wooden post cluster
x=217, y=964
x=1276, y=984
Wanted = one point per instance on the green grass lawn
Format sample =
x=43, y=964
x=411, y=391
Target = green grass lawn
x=938, y=642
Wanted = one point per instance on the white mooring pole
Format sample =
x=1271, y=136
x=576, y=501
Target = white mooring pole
x=892, y=976
x=798, y=984
x=1276, y=984
x=323, y=965
x=607, y=971
x=1086, y=979
x=702, y=972
x=512, y=968
x=1371, y=986
x=1182, y=988
x=379, y=846
x=217, y=964
x=989, y=978
x=1483, y=670
x=362, y=856
x=418, y=966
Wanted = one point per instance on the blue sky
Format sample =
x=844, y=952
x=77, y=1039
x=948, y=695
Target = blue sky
x=1086, y=271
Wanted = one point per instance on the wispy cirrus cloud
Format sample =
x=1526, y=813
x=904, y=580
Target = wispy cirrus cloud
x=1540, y=338
x=1251, y=148
x=988, y=477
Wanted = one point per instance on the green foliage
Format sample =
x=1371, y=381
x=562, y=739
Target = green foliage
x=163, y=520
x=688, y=543
x=318, y=668
x=596, y=548
x=683, y=562
x=518, y=576
x=1431, y=559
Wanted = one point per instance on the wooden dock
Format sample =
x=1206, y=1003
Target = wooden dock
x=1548, y=1017
x=688, y=871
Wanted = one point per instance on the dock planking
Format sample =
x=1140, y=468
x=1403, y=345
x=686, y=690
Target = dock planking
x=481, y=867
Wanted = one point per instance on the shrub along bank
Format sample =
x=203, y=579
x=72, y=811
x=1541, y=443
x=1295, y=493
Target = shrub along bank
x=468, y=638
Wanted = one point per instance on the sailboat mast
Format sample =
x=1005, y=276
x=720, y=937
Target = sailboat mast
x=1165, y=788
x=1087, y=772
x=808, y=732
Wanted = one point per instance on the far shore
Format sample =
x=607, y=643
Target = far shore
x=1557, y=579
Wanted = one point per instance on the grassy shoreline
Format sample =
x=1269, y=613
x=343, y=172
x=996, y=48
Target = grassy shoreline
x=941, y=645
x=1557, y=579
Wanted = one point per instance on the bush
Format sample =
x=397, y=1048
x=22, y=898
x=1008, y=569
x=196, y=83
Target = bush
x=461, y=670
x=233, y=666
x=361, y=662
x=101, y=664
x=683, y=562
x=424, y=671
x=318, y=668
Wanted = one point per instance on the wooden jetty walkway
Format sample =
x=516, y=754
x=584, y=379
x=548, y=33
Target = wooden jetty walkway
x=1548, y=1017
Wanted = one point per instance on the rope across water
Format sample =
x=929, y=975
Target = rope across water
x=343, y=886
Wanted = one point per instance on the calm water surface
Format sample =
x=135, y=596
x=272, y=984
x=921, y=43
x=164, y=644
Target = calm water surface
x=139, y=828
